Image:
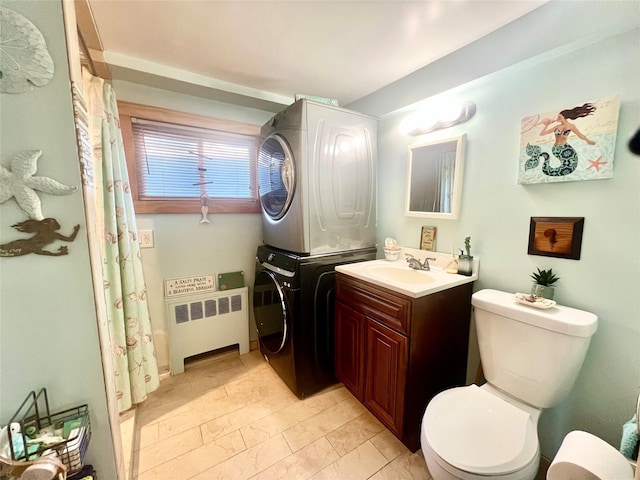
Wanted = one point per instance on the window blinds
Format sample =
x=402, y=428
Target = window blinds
x=175, y=161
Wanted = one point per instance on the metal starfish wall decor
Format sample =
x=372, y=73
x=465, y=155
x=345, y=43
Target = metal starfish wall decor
x=21, y=184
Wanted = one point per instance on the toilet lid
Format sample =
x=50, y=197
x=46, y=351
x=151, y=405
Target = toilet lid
x=478, y=432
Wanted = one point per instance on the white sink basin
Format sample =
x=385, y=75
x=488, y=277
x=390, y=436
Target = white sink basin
x=402, y=274
x=397, y=276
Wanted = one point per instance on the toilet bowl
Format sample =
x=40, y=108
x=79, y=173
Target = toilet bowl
x=531, y=359
x=482, y=434
x=586, y=457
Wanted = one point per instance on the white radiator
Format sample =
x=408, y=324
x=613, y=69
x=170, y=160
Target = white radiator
x=201, y=323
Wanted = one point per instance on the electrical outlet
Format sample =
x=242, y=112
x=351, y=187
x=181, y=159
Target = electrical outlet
x=146, y=238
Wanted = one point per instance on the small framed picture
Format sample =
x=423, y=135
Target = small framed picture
x=428, y=238
x=556, y=237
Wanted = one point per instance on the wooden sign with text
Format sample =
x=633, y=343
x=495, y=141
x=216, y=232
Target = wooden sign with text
x=176, y=287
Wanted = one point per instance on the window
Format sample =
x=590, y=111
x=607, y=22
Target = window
x=175, y=158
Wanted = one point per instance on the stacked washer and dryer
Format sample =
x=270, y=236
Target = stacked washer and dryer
x=317, y=188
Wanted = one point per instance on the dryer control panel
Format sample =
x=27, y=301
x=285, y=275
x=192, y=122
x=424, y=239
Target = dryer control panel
x=277, y=261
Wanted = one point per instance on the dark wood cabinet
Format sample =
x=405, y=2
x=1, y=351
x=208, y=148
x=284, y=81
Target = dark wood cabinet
x=349, y=338
x=385, y=373
x=395, y=353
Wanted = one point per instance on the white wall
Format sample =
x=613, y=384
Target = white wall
x=48, y=326
x=183, y=246
x=496, y=213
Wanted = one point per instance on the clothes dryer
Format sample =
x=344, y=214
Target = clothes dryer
x=293, y=304
x=317, y=179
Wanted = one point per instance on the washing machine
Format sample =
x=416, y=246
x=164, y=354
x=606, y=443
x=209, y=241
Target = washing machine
x=293, y=304
x=317, y=179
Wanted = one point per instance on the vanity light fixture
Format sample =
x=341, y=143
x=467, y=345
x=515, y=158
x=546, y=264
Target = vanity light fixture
x=432, y=118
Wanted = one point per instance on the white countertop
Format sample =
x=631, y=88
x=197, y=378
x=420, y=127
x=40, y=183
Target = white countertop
x=399, y=277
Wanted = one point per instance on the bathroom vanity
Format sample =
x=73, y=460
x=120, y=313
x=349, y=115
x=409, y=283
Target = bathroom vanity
x=395, y=351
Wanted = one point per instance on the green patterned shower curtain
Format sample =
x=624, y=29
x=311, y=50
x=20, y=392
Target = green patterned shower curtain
x=133, y=351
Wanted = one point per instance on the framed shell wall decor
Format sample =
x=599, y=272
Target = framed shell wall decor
x=559, y=237
x=24, y=58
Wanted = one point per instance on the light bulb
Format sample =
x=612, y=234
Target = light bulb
x=427, y=119
x=451, y=112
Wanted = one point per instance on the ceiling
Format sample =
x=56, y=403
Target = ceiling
x=261, y=53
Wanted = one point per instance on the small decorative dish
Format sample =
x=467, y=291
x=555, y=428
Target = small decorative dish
x=534, y=301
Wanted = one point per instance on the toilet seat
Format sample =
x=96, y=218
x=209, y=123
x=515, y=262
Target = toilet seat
x=475, y=431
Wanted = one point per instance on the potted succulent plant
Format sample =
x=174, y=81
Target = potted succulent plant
x=465, y=262
x=543, y=283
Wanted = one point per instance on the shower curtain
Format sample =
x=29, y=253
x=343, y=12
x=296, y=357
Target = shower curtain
x=133, y=352
x=444, y=198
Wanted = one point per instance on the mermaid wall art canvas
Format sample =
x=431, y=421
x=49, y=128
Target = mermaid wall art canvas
x=572, y=143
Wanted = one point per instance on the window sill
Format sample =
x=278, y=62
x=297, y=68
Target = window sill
x=194, y=206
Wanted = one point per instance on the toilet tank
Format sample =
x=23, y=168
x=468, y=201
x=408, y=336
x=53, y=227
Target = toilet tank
x=532, y=354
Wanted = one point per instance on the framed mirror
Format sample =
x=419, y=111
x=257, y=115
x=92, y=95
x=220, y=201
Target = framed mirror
x=434, y=179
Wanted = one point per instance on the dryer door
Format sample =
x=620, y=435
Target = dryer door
x=270, y=310
x=276, y=176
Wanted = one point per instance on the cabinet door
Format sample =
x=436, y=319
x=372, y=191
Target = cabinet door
x=349, y=344
x=386, y=372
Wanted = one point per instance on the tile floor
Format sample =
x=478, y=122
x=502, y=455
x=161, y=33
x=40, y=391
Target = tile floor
x=231, y=417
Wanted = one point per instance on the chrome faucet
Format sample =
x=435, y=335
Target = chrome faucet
x=417, y=264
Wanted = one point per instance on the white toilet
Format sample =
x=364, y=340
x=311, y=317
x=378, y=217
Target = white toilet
x=531, y=358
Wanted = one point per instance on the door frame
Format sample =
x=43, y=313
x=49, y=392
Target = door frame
x=77, y=16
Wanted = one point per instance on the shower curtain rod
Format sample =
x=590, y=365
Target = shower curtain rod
x=92, y=51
